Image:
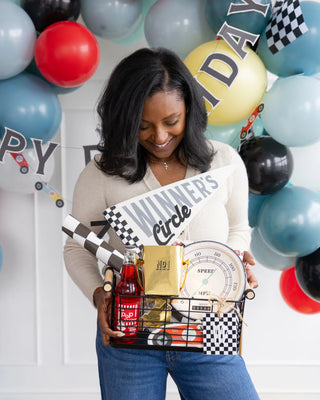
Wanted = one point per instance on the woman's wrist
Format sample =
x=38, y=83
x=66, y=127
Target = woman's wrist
x=96, y=295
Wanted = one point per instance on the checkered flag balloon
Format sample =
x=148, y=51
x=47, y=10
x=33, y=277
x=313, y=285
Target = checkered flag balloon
x=286, y=25
x=221, y=335
x=90, y=241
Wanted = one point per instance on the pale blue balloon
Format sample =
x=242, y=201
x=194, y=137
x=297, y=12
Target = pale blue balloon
x=289, y=221
x=180, y=26
x=17, y=39
x=112, y=19
x=249, y=21
x=291, y=112
x=28, y=105
x=300, y=56
x=267, y=256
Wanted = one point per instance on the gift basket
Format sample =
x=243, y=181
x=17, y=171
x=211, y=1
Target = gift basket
x=192, y=299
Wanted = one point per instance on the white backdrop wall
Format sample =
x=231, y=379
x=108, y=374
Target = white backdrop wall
x=47, y=327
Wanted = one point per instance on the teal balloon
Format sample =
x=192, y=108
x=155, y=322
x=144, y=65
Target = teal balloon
x=255, y=204
x=112, y=19
x=224, y=133
x=291, y=112
x=289, y=221
x=249, y=21
x=301, y=56
x=17, y=39
x=267, y=256
x=230, y=134
x=17, y=2
x=138, y=33
x=28, y=105
x=180, y=26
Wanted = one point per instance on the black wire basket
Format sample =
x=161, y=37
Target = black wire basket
x=174, y=323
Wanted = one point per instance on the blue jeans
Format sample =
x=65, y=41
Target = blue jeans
x=135, y=374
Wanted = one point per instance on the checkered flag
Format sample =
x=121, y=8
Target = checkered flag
x=90, y=241
x=286, y=25
x=119, y=224
x=221, y=335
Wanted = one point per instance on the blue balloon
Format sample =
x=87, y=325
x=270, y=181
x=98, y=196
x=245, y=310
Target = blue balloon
x=291, y=113
x=255, y=204
x=249, y=21
x=112, y=19
x=28, y=105
x=17, y=39
x=301, y=56
x=267, y=256
x=180, y=26
x=289, y=221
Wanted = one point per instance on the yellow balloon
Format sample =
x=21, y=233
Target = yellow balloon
x=237, y=85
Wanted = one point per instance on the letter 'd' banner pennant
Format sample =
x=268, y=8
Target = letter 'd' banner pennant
x=158, y=217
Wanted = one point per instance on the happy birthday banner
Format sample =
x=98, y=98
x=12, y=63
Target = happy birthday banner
x=158, y=217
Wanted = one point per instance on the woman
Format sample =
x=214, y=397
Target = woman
x=153, y=120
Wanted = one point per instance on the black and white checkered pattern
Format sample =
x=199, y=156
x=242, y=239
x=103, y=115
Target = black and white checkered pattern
x=90, y=241
x=286, y=25
x=119, y=224
x=221, y=335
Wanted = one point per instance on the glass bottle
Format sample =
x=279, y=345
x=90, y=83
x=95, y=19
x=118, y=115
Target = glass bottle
x=127, y=300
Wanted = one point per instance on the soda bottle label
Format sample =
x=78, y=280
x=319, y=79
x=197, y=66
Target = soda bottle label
x=127, y=315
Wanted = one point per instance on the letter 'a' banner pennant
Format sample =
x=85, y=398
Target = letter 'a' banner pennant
x=158, y=217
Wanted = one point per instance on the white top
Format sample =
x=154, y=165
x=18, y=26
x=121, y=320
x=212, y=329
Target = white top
x=223, y=218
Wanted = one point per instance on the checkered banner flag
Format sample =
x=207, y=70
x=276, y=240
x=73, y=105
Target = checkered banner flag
x=286, y=25
x=158, y=217
x=221, y=335
x=90, y=241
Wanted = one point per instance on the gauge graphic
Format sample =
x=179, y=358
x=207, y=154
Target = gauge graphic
x=215, y=272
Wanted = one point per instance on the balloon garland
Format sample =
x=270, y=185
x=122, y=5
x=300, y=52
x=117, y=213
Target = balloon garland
x=228, y=48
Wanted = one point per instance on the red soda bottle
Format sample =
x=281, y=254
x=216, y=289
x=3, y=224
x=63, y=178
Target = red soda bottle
x=127, y=300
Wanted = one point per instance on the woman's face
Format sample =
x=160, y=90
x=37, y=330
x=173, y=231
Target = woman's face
x=163, y=123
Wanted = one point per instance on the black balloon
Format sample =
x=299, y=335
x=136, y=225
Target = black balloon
x=46, y=12
x=269, y=164
x=308, y=274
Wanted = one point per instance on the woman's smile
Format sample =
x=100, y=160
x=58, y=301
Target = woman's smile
x=163, y=123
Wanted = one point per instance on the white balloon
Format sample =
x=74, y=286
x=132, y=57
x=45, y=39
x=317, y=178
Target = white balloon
x=12, y=179
x=306, y=166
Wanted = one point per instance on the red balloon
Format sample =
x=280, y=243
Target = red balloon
x=67, y=53
x=294, y=296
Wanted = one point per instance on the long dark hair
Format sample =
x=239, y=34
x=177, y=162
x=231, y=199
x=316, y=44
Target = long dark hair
x=138, y=76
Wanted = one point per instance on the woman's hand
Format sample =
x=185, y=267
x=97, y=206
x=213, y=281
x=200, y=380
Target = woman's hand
x=249, y=260
x=103, y=302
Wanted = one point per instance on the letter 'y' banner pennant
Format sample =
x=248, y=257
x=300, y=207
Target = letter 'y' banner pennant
x=158, y=217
